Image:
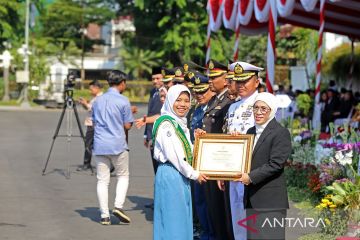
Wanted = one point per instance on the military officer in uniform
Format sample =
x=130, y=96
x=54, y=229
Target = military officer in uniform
x=179, y=76
x=213, y=122
x=168, y=76
x=202, y=95
x=231, y=84
x=239, y=119
x=190, y=69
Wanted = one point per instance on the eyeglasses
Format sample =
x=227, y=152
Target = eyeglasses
x=263, y=110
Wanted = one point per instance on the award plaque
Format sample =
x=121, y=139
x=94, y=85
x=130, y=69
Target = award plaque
x=222, y=156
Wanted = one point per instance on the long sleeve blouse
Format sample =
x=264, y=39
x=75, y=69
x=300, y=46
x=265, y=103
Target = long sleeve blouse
x=168, y=148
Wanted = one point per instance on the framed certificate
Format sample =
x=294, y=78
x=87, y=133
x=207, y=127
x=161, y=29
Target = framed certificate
x=222, y=156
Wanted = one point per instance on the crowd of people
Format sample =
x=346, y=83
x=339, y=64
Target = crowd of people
x=185, y=103
x=339, y=107
x=336, y=105
x=217, y=99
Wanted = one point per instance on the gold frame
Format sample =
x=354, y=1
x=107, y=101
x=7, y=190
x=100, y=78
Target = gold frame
x=247, y=139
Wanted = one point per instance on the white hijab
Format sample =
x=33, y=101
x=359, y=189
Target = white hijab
x=171, y=96
x=163, y=89
x=271, y=101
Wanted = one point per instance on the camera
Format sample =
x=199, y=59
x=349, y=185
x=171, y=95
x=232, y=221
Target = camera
x=70, y=80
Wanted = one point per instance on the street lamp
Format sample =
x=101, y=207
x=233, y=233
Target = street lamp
x=6, y=59
x=25, y=103
x=83, y=32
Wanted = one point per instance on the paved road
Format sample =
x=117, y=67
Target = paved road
x=53, y=207
x=49, y=207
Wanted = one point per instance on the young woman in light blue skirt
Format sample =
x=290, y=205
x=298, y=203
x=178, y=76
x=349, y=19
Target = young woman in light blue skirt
x=173, y=149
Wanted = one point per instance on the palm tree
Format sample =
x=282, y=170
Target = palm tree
x=139, y=62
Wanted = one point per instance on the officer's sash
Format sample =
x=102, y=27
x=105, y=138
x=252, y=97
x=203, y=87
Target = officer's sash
x=179, y=132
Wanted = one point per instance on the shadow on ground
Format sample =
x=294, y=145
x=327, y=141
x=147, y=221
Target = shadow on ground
x=90, y=212
x=61, y=172
x=67, y=175
x=93, y=214
x=140, y=205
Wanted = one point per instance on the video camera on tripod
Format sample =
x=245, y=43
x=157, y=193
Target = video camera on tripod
x=70, y=80
x=69, y=108
x=69, y=87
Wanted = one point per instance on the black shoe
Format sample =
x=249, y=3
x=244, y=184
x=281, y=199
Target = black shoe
x=151, y=205
x=84, y=167
x=196, y=233
x=119, y=213
x=105, y=221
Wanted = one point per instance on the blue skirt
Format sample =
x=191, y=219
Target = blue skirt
x=172, y=205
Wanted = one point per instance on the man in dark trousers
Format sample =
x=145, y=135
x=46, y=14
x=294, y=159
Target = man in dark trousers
x=154, y=108
x=95, y=88
x=202, y=95
x=213, y=122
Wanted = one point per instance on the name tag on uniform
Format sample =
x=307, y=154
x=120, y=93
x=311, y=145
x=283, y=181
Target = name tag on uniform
x=246, y=114
x=217, y=108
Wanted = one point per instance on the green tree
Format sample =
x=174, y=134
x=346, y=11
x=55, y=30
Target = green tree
x=10, y=26
x=253, y=49
x=63, y=20
x=337, y=63
x=139, y=62
x=176, y=27
x=306, y=44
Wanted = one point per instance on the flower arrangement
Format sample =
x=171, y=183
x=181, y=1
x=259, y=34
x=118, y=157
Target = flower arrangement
x=302, y=181
x=314, y=183
x=344, y=190
x=343, y=134
x=325, y=174
x=335, y=219
x=330, y=172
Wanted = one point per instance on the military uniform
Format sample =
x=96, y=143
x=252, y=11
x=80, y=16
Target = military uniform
x=179, y=75
x=240, y=115
x=168, y=76
x=200, y=84
x=214, y=116
x=240, y=118
x=213, y=122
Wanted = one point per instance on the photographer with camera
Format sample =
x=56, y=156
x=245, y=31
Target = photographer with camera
x=95, y=88
x=112, y=118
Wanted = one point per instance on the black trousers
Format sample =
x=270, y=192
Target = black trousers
x=269, y=224
x=89, y=142
x=218, y=205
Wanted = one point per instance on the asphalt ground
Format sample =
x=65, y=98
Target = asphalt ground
x=53, y=206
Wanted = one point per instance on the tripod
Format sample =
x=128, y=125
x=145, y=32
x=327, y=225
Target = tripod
x=69, y=107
